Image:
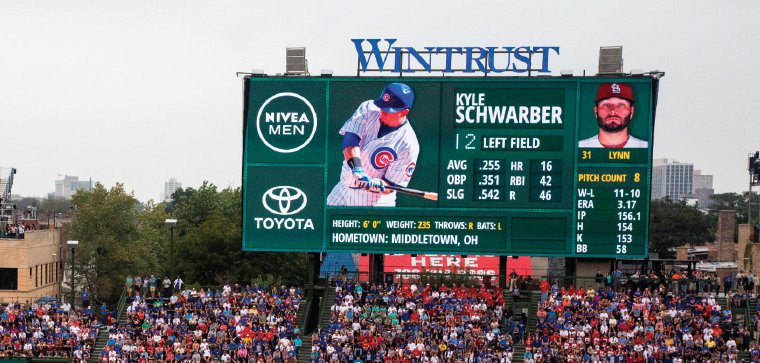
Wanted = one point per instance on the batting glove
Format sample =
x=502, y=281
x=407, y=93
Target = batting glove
x=376, y=185
x=361, y=179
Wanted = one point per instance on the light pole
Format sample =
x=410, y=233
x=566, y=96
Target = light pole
x=171, y=223
x=73, y=245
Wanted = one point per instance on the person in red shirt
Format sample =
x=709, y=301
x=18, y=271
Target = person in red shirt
x=544, y=285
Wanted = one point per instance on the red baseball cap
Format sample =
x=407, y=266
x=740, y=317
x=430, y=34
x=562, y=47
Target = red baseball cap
x=609, y=90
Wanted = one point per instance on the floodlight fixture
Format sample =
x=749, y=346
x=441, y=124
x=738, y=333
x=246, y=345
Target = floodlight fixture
x=611, y=60
x=295, y=62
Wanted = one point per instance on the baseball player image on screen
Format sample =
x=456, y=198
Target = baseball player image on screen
x=380, y=149
x=613, y=111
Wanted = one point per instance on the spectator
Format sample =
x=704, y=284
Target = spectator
x=130, y=281
x=727, y=284
x=138, y=284
x=599, y=278
x=153, y=284
x=512, y=279
x=167, y=286
x=178, y=284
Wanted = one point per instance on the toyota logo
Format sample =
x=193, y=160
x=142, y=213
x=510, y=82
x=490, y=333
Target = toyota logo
x=286, y=200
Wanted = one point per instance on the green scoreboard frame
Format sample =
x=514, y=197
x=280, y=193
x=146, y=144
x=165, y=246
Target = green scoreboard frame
x=502, y=154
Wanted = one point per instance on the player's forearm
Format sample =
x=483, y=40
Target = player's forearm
x=352, y=156
x=352, y=152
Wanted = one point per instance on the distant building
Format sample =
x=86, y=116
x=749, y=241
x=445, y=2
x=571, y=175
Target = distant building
x=703, y=189
x=66, y=187
x=672, y=179
x=170, y=187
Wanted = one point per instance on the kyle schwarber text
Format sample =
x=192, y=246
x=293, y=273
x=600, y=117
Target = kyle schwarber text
x=471, y=108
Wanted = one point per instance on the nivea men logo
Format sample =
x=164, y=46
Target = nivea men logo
x=286, y=122
x=488, y=59
x=284, y=200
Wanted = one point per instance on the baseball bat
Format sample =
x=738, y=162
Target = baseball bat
x=415, y=192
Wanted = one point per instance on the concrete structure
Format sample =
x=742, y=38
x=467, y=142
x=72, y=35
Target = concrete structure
x=672, y=179
x=725, y=248
x=748, y=251
x=69, y=185
x=31, y=267
x=170, y=187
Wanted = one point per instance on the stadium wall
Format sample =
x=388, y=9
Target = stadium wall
x=37, y=260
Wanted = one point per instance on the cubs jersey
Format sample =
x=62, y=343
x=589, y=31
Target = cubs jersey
x=632, y=142
x=392, y=157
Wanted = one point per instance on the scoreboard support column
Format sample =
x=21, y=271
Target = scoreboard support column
x=376, y=268
x=503, y=272
x=312, y=281
x=571, y=270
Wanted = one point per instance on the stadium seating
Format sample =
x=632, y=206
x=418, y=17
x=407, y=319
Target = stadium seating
x=49, y=330
x=435, y=324
x=633, y=325
x=230, y=324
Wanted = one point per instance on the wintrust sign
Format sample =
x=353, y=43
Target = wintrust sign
x=381, y=55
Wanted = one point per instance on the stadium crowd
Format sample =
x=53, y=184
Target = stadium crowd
x=239, y=324
x=639, y=322
x=386, y=323
x=47, y=330
x=645, y=319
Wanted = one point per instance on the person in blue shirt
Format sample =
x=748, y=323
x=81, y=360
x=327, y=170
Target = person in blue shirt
x=85, y=298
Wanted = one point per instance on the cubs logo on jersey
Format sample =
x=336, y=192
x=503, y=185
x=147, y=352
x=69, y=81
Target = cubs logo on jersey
x=382, y=157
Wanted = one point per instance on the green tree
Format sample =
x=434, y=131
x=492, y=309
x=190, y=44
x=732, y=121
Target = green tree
x=208, y=243
x=26, y=202
x=53, y=203
x=673, y=224
x=152, y=239
x=733, y=201
x=193, y=206
x=118, y=236
x=105, y=223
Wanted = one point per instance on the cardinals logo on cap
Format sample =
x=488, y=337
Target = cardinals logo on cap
x=620, y=90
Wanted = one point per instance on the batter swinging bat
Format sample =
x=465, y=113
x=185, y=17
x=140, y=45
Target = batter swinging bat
x=415, y=192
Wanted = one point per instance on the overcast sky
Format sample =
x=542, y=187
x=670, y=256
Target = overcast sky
x=141, y=91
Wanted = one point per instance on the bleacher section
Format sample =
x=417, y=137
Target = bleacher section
x=397, y=323
x=220, y=325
